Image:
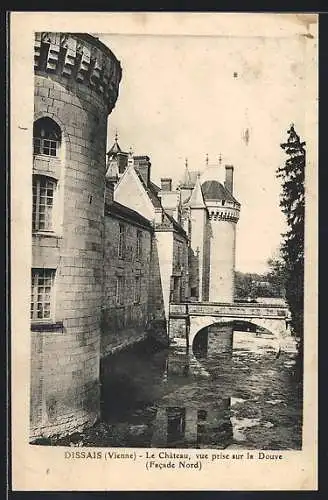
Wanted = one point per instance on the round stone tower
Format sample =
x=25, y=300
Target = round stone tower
x=224, y=212
x=76, y=86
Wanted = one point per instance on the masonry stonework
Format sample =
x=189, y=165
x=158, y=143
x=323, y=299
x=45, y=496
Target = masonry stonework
x=222, y=252
x=125, y=318
x=180, y=268
x=76, y=86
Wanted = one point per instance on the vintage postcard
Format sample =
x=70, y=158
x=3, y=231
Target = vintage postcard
x=163, y=251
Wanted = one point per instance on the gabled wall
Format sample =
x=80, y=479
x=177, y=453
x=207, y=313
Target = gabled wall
x=131, y=193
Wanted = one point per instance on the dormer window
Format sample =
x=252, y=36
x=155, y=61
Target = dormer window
x=46, y=137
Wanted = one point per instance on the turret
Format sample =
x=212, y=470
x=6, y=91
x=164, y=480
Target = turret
x=224, y=211
x=76, y=85
x=198, y=244
x=117, y=161
x=187, y=183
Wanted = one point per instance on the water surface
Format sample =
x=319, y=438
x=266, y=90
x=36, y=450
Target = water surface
x=206, y=398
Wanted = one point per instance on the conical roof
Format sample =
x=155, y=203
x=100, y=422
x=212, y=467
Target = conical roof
x=196, y=199
x=189, y=177
x=115, y=149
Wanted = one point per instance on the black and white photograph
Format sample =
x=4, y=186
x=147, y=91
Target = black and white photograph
x=167, y=240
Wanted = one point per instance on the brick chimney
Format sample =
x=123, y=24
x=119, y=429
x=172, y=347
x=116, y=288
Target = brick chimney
x=142, y=165
x=109, y=191
x=166, y=184
x=228, y=183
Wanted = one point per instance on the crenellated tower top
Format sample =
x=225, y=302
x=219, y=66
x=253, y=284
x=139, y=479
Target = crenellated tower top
x=219, y=199
x=80, y=59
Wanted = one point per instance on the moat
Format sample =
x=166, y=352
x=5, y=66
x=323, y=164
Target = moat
x=250, y=399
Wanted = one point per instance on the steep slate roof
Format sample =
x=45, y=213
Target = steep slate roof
x=155, y=187
x=115, y=148
x=214, y=190
x=178, y=228
x=152, y=191
x=186, y=202
x=121, y=211
x=189, y=178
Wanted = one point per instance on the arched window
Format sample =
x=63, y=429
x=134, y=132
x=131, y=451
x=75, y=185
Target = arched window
x=46, y=137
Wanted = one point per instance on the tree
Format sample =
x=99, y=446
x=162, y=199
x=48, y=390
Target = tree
x=243, y=285
x=277, y=275
x=292, y=205
x=253, y=285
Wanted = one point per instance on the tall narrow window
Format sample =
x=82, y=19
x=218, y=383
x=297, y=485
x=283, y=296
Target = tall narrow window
x=121, y=241
x=119, y=290
x=139, y=244
x=43, y=203
x=46, y=137
x=137, y=290
x=178, y=256
x=42, y=293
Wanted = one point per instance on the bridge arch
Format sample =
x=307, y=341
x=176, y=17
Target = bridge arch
x=275, y=326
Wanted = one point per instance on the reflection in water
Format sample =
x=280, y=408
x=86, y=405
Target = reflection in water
x=191, y=427
x=219, y=395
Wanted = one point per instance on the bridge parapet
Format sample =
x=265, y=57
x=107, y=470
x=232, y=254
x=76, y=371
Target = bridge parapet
x=187, y=319
x=232, y=310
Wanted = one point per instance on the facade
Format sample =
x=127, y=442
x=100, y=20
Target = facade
x=208, y=212
x=134, y=188
x=127, y=288
x=110, y=249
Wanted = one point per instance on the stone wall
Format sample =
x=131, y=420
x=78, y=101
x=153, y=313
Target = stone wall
x=178, y=328
x=156, y=297
x=180, y=264
x=125, y=322
x=222, y=261
x=198, y=252
x=76, y=85
x=207, y=259
x=164, y=249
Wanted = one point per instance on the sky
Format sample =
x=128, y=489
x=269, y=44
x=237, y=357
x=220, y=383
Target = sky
x=184, y=96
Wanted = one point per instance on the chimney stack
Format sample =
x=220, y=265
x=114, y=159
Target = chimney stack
x=166, y=184
x=142, y=165
x=228, y=183
x=109, y=191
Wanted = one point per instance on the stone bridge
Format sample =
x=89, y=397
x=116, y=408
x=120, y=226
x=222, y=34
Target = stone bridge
x=187, y=319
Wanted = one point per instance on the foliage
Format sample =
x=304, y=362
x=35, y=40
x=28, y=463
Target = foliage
x=277, y=275
x=292, y=205
x=253, y=285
